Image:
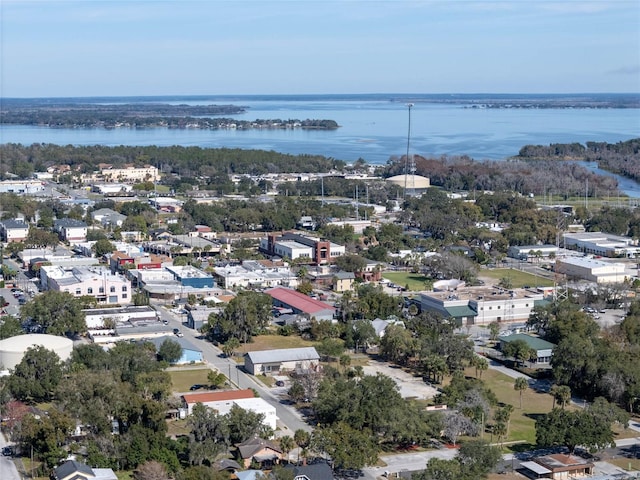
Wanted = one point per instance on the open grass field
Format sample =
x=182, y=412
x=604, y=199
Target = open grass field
x=271, y=342
x=522, y=425
x=518, y=278
x=181, y=380
x=415, y=281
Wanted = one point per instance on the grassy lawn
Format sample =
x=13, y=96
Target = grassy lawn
x=177, y=427
x=181, y=380
x=522, y=425
x=415, y=281
x=272, y=342
x=625, y=462
x=518, y=278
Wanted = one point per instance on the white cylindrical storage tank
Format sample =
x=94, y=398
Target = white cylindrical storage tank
x=12, y=349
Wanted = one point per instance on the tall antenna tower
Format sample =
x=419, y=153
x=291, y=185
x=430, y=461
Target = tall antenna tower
x=406, y=160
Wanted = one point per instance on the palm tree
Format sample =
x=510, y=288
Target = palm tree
x=500, y=429
x=302, y=439
x=482, y=365
x=286, y=444
x=561, y=395
x=520, y=385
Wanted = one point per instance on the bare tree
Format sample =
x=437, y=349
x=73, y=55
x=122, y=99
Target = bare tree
x=151, y=470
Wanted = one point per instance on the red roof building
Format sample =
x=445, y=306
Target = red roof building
x=208, y=398
x=300, y=303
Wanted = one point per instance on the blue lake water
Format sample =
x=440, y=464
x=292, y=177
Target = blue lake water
x=374, y=129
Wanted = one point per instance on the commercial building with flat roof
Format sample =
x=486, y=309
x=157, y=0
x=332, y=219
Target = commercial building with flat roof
x=591, y=269
x=97, y=282
x=482, y=305
x=603, y=244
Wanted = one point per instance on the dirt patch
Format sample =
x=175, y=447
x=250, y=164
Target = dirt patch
x=410, y=386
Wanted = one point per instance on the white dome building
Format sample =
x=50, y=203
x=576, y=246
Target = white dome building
x=413, y=182
x=12, y=349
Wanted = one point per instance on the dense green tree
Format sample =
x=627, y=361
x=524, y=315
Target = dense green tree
x=37, y=376
x=518, y=350
x=209, y=436
x=170, y=351
x=438, y=469
x=10, y=326
x=90, y=356
x=296, y=392
x=244, y=424
x=38, y=238
x=478, y=458
x=47, y=435
x=331, y=348
x=102, y=247
x=573, y=428
x=351, y=263
x=60, y=313
x=243, y=317
x=348, y=447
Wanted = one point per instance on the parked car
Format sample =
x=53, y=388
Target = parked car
x=279, y=383
x=197, y=386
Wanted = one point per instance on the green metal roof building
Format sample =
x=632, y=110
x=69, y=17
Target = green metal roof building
x=544, y=349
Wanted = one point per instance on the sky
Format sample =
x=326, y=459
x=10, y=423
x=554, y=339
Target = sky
x=52, y=48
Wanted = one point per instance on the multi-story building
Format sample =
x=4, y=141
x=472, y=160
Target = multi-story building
x=482, y=305
x=14, y=231
x=70, y=229
x=296, y=246
x=97, y=282
x=126, y=174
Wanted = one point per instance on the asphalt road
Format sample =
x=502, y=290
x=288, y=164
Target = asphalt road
x=8, y=470
x=289, y=419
